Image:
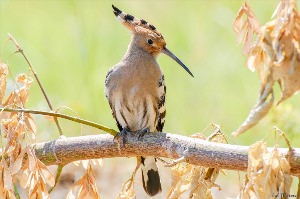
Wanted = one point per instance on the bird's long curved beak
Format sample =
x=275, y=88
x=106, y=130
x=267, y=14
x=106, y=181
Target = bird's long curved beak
x=170, y=54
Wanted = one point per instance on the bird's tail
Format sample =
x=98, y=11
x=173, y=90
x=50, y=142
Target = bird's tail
x=150, y=175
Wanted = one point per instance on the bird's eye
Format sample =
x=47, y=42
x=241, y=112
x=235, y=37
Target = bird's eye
x=149, y=41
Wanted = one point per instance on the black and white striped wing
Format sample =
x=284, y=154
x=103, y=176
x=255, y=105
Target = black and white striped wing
x=161, y=104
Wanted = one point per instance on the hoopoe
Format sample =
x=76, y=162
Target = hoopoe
x=135, y=89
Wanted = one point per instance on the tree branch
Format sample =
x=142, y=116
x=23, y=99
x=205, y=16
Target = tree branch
x=195, y=151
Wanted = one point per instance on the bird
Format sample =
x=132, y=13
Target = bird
x=135, y=89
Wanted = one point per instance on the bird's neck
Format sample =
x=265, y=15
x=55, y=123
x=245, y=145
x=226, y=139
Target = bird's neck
x=136, y=53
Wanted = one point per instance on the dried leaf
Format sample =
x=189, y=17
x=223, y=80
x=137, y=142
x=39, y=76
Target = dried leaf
x=33, y=183
x=32, y=161
x=202, y=178
x=197, y=180
x=43, y=191
x=25, y=179
x=24, y=79
x=7, y=178
x=45, y=174
x=200, y=187
x=20, y=96
x=33, y=194
x=245, y=29
x=255, y=59
x=16, y=167
x=73, y=192
x=89, y=192
x=181, y=180
x=267, y=173
x=30, y=124
x=260, y=110
x=85, y=187
x=9, y=194
x=276, y=56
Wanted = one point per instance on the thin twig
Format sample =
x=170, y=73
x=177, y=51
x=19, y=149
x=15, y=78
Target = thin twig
x=175, y=162
x=67, y=117
x=162, y=160
x=16, y=192
x=217, y=131
x=37, y=79
x=59, y=170
x=285, y=137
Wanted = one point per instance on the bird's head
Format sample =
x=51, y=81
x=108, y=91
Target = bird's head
x=146, y=36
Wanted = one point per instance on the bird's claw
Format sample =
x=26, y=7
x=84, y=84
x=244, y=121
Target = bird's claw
x=141, y=133
x=121, y=136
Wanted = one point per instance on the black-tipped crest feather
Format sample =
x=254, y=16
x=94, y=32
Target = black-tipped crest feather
x=116, y=11
x=135, y=22
x=152, y=27
x=129, y=17
x=143, y=22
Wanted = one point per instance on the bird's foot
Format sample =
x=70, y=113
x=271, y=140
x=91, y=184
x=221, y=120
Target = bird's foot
x=142, y=132
x=120, y=138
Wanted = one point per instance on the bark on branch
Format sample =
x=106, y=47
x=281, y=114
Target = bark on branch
x=195, y=151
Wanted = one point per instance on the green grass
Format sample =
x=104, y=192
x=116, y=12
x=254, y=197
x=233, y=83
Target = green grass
x=72, y=44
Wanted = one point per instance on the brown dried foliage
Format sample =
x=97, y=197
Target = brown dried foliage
x=17, y=133
x=275, y=55
x=86, y=186
x=267, y=174
x=246, y=28
x=35, y=176
x=197, y=181
x=19, y=166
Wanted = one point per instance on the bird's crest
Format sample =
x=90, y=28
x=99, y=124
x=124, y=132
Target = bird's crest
x=146, y=36
x=136, y=25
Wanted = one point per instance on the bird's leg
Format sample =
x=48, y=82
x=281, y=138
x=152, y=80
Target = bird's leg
x=120, y=137
x=142, y=132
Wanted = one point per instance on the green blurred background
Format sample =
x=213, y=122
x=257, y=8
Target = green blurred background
x=72, y=44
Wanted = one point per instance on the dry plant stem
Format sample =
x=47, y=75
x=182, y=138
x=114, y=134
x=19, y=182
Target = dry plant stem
x=135, y=170
x=37, y=79
x=17, y=195
x=67, y=117
x=59, y=170
x=197, y=151
x=177, y=161
x=163, y=161
x=284, y=136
